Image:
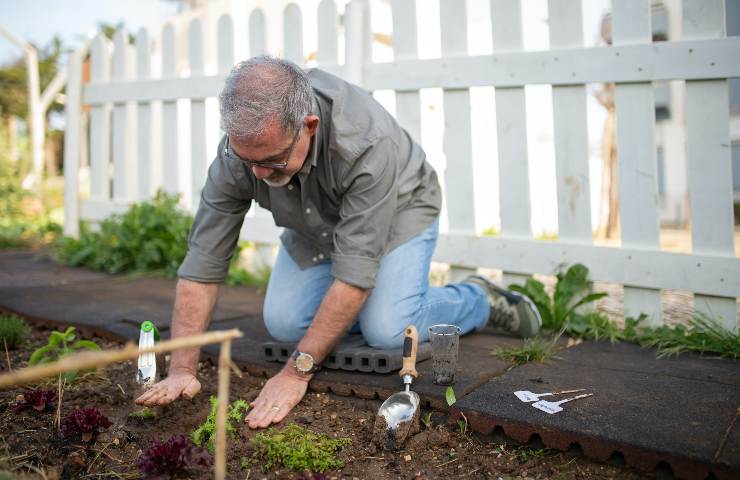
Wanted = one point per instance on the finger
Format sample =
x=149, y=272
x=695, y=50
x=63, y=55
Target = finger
x=281, y=414
x=192, y=389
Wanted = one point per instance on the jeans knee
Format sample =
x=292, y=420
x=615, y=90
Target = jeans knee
x=384, y=329
x=283, y=324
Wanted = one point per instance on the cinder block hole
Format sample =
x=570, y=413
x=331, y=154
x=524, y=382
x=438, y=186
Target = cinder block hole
x=348, y=360
x=365, y=362
x=617, y=458
x=268, y=352
x=284, y=352
x=332, y=359
x=382, y=362
x=575, y=449
x=663, y=471
x=535, y=441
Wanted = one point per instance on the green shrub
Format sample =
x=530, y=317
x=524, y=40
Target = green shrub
x=150, y=237
x=205, y=434
x=13, y=330
x=571, y=292
x=59, y=345
x=296, y=448
x=21, y=223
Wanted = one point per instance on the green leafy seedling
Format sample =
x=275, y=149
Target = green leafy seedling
x=13, y=330
x=59, y=345
x=143, y=414
x=450, y=396
x=426, y=419
x=462, y=423
x=297, y=448
x=205, y=434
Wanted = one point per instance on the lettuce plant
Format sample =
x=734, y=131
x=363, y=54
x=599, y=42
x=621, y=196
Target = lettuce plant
x=39, y=400
x=84, y=422
x=173, y=457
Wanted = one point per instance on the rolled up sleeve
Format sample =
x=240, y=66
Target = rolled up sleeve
x=366, y=215
x=216, y=226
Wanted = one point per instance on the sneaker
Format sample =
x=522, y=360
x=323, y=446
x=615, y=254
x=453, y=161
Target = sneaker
x=510, y=311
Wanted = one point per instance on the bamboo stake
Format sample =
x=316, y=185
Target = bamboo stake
x=224, y=368
x=93, y=359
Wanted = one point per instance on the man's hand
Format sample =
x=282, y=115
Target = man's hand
x=278, y=397
x=164, y=392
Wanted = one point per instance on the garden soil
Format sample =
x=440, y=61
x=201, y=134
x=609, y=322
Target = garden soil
x=31, y=447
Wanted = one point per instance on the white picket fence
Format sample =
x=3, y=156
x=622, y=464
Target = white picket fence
x=123, y=152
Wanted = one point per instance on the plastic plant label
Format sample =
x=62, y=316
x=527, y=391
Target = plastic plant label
x=527, y=396
x=554, y=407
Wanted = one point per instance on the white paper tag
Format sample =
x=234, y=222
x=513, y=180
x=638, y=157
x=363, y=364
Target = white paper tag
x=526, y=396
x=547, y=407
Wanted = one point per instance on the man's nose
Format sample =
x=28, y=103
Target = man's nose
x=261, y=172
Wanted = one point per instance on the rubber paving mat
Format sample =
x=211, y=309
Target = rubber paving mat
x=680, y=411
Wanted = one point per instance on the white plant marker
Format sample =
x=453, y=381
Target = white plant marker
x=527, y=396
x=554, y=407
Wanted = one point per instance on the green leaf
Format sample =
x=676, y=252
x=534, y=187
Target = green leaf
x=89, y=344
x=592, y=297
x=55, y=338
x=38, y=355
x=450, y=396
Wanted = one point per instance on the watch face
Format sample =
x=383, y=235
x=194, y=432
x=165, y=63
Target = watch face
x=304, y=362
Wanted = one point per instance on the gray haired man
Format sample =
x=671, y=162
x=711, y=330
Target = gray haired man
x=360, y=207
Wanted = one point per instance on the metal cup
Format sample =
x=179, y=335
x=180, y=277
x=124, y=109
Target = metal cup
x=444, y=340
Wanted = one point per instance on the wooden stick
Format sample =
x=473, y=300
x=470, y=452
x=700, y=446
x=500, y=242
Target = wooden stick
x=94, y=359
x=7, y=355
x=224, y=369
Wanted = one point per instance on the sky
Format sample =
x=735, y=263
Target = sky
x=37, y=21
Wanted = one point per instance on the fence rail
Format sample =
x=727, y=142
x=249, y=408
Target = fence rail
x=128, y=162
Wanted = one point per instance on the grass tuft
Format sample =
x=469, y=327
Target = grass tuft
x=535, y=349
x=13, y=330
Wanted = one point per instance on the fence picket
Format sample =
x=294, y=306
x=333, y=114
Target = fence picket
x=124, y=172
x=144, y=155
x=708, y=155
x=636, y=156
x=571, y=130
x=199, y=155
x=293, y=34
x=457, y=133
x=511, y=128
x=257, y=33
x=225, y=45
x=357, y=41
x=170, y=151
x=100, y=118
x=408, y=104
x=328, y=33
x=72, y=146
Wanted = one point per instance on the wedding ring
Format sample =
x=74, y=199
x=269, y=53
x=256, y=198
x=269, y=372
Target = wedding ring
x=275, y=407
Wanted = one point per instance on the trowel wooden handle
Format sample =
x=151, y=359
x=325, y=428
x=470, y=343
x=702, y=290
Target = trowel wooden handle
x=410, y=343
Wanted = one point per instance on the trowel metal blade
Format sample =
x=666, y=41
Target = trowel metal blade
x=399, y=407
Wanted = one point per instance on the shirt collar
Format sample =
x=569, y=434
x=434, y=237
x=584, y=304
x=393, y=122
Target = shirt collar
x=312, y=159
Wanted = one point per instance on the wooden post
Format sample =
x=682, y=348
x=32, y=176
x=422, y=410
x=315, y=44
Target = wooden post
x=224, y=369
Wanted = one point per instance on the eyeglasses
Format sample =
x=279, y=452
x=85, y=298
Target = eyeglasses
x=230, y=154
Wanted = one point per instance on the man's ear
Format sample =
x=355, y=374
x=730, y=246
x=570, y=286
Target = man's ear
x=312, y=123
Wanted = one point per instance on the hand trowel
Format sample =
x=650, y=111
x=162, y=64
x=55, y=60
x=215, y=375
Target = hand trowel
x=399, y=414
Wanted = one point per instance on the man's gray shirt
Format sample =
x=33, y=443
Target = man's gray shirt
x=364, y=189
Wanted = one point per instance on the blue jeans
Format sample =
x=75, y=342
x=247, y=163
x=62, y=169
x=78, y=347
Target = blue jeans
x=401, y=297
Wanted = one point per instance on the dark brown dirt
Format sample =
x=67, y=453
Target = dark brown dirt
x=30, y=447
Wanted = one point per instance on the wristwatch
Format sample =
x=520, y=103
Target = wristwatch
x=304, y=363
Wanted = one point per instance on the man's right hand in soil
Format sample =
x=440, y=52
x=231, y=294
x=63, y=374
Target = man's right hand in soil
x=166, y=391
